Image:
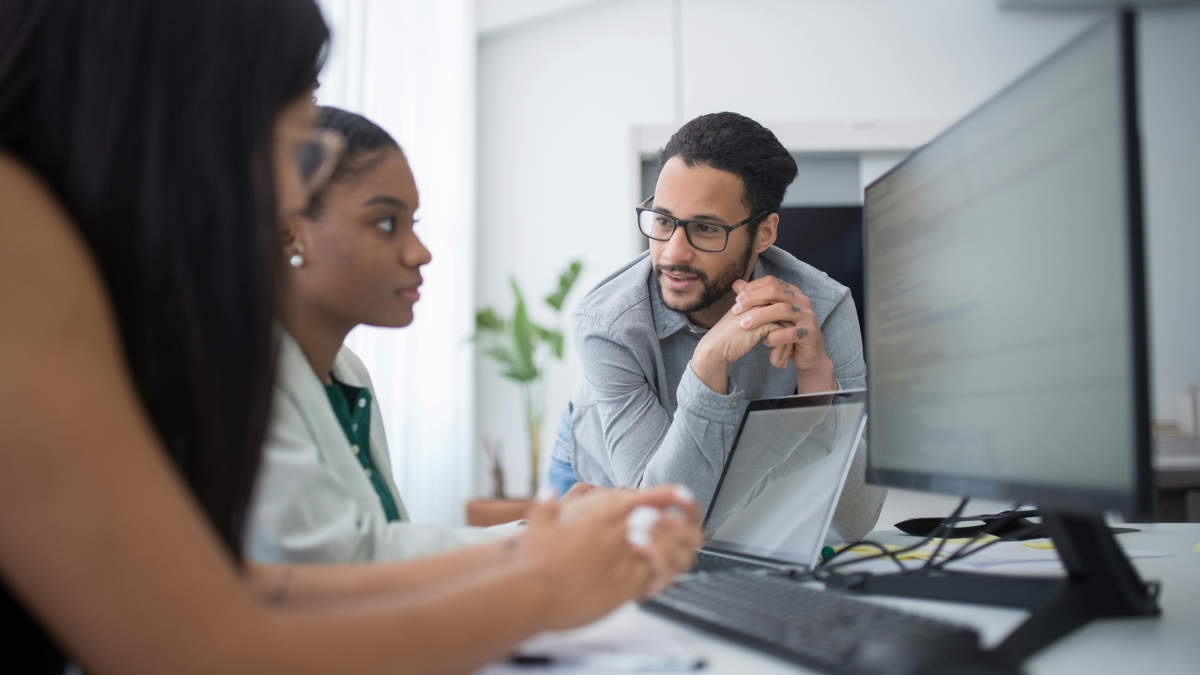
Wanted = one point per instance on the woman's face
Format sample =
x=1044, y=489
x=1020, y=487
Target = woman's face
x=362, y=258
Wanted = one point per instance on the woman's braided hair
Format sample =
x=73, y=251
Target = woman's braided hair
x=364, y=142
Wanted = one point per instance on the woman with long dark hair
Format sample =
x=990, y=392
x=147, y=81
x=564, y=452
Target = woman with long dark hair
x=147, y=150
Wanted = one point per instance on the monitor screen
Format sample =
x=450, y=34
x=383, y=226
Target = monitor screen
x=1004, y=302
x=783, y=477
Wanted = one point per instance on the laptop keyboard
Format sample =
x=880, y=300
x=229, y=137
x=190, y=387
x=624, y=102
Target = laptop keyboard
x=708, y=562
x=781, y=616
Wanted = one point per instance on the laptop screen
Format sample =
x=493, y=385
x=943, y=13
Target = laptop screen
x=784, y=475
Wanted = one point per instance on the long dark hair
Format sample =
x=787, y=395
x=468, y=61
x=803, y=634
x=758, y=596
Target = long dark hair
x=151, y=120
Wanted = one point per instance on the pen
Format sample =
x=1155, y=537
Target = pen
x=626, y=662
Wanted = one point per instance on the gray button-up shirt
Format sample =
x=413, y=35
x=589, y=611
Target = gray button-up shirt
x=641, y=416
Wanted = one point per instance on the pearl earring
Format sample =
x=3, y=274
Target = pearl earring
x=297, y=260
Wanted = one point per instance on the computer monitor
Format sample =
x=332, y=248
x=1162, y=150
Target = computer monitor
x=1005, y=308
x=1006, y=327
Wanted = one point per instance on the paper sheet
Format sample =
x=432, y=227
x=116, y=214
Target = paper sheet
x=567, y=646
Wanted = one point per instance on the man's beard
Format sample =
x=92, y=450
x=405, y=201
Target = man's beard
x=713, y=290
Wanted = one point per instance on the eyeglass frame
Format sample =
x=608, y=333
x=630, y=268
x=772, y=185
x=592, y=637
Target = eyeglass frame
x=334, y=144
x=678, y=221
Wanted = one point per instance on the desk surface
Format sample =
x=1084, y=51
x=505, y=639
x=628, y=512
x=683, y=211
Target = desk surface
x=1170, y=644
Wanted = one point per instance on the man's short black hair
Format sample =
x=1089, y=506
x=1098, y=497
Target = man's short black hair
x=737, y=144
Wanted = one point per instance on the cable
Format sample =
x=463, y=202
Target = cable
x=947, y=526
x=885, y=552
x=827, y=565
x=991, y=528
x=959, y=555
x=828, y=568
x=894, y=555
x=822, y=571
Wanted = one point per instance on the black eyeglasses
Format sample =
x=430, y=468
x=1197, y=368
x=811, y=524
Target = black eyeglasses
x=701, y=234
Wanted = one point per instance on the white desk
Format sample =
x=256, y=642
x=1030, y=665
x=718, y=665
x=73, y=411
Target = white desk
x=1169, y=644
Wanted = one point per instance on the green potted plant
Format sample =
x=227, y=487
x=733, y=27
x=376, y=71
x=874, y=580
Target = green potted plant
x=523, y=349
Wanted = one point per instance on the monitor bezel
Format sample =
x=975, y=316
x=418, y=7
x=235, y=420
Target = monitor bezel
x=1138, y=501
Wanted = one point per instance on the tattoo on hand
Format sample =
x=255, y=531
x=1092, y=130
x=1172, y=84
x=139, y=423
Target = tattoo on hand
x=801, y=333
x=796, y=310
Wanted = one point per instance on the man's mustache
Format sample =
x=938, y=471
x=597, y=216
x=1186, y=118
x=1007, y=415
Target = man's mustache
x=682, y=269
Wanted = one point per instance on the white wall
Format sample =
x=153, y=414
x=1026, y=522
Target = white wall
x=1170, y=77
x=559, y=97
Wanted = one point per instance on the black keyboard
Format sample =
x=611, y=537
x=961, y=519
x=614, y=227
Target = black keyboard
x=708, y=562
x=778, y=615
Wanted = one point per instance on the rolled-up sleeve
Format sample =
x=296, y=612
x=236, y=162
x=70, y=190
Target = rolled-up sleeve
x=843, y=343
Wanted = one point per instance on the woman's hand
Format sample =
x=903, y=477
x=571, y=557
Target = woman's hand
x=672, y=545
x=588, y=561
x=674, y=535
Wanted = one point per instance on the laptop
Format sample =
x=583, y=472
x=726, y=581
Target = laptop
x=772, y=512
x=774, y=503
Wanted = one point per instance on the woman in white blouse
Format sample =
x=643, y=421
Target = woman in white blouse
x=325, y=492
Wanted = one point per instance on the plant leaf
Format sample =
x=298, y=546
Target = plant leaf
x=542, y=334
x=515, y=375
x=500, y=354
x=486, y=319
x=523, y=369
x=566, y=280
x=554, y=338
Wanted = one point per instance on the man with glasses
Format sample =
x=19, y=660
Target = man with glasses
x=674, y=344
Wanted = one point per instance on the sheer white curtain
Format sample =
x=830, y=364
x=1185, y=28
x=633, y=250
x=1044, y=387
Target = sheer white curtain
x=409, y=65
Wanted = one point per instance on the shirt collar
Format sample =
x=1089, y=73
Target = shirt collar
x=667, y=321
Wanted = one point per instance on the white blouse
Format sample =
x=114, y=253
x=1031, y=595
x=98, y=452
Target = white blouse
x=312, y=502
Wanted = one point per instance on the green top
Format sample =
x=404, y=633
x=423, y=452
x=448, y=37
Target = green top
x=355, y=419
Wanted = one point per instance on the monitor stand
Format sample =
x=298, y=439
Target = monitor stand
x=1100, y=583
